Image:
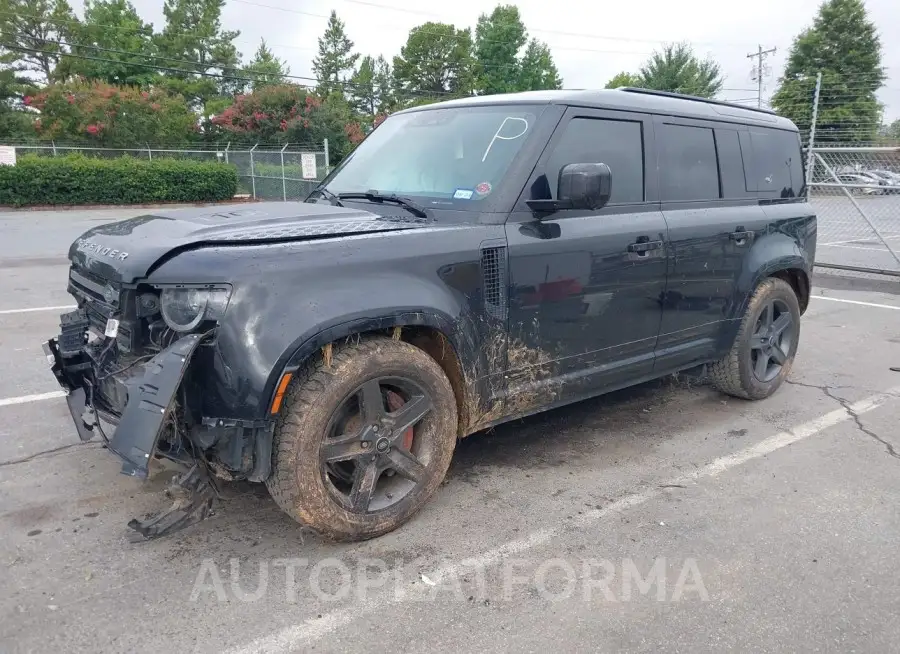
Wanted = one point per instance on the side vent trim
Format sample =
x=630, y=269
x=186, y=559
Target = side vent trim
x=494, y=280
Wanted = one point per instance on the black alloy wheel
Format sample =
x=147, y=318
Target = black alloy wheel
x=371, y=456
x=772, y=340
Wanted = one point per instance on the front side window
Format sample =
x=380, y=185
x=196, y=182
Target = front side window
x=459, y=154
x=616, y=143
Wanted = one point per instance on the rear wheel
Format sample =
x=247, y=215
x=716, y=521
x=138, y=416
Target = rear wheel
x=763, y=352
x=362, y=444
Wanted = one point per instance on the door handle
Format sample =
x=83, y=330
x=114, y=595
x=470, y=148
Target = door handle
x=741, y=236
x=642, y=247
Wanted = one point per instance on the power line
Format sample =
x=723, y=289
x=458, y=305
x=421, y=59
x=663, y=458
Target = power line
x=222, y=76
x=456, y=37
x=581, y=35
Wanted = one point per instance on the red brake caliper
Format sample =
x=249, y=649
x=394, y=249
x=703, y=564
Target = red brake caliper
x=394, y=403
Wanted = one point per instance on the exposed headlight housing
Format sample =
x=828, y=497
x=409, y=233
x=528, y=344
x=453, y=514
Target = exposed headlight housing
x=184, y=309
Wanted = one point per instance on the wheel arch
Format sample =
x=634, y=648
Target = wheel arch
x=774, y=255
x=430, y=331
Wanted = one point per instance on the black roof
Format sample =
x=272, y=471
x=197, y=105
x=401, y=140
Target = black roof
x=631, y=99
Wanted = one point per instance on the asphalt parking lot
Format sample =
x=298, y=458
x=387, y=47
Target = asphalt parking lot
x=663, y=518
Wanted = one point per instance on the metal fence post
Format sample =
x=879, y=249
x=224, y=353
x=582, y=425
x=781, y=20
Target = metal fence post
x=327, y=157
x=283, y=182
x=253, y=171
x=149, y=152
x=810, y=154
x=53, y=143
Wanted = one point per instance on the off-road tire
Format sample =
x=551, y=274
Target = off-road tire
x=315, y=393
x=733, y=374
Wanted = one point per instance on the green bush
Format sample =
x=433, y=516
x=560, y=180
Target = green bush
x=76, y=179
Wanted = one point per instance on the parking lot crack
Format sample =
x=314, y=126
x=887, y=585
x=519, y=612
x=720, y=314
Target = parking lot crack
x=859, y=425
x=32, y=457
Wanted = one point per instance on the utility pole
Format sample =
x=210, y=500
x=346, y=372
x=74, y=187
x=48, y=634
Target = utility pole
x=760, y=56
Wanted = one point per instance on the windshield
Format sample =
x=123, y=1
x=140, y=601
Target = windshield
x=459, y=154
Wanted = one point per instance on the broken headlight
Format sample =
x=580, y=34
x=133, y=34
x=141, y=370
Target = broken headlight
x=184, y=309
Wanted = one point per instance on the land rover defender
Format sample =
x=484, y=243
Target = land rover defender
x=469, y=263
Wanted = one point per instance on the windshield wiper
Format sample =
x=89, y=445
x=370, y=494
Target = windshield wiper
x=374, y=196
x=328, y=195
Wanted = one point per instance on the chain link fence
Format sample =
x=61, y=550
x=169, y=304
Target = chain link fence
x=264, y=172
x=856, y=193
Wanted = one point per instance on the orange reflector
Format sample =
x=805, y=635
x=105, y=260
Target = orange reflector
x=279, y=392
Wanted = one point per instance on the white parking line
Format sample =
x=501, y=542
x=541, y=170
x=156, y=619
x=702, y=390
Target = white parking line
x=25, y=399
x=865, y=304
x=863, y=239
x=300, y=636
x=853, y=247
x=35, y=309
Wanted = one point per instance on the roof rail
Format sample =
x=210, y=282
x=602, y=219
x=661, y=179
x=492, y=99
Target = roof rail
x=682, y=96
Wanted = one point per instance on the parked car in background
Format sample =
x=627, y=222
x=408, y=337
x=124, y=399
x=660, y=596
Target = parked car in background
x=888, y=179
x=862, y=183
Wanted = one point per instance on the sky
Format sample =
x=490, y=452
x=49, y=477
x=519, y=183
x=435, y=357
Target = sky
x=590, y=41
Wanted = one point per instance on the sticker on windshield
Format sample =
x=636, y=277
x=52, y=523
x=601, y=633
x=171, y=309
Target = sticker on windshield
x=463, y=194
x=483, y=189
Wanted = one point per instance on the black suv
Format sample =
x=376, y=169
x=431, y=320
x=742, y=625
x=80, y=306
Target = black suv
x=471, y=262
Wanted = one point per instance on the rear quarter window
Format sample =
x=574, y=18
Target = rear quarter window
x=776, y=168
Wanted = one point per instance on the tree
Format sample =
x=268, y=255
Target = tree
x=624, y=79
x=15, y=121
x=112, y=31
x=844, y=46
x=435, y=62
x=502, y=67
x=193, y=33
x=537, y=71
x=266, y=69
x=892, y=131
x=370, y=89
x=498, y=39
x=288, y=113
x=336, y=57
x=37, y=31
x=111, y=116
x=678, y=70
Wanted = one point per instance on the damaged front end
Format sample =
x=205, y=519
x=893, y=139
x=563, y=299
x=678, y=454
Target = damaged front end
x=134, y=364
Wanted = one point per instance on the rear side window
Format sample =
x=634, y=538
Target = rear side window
x=688, y=165
x=777, y=163
x=617, y=143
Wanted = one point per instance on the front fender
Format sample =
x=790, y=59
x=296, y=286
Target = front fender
x=289, y=299
x=268, y=331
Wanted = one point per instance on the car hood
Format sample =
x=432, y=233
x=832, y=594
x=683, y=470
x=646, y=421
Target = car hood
x=125, y=251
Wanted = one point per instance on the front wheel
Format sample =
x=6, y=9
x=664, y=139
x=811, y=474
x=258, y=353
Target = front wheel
x=763, y=351
x=364, y=440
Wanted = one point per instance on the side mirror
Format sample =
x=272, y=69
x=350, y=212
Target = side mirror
x=584, y=185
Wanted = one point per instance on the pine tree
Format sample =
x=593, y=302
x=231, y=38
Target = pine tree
x=537, y=72
x=266, y=69
x=844, y=46
x=501, y=66
x=336, y=57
